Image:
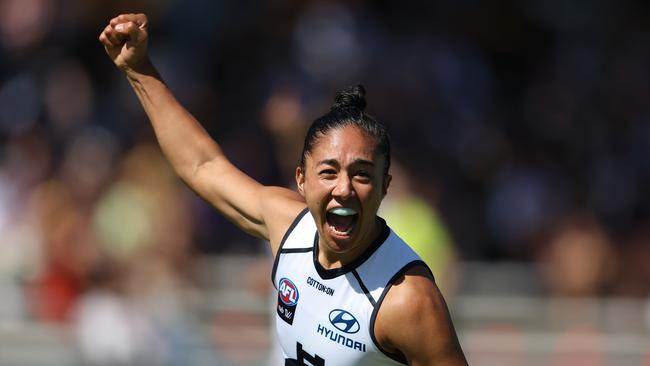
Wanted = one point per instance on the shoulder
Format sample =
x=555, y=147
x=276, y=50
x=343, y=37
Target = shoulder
x=281, y=206
x=414, y=321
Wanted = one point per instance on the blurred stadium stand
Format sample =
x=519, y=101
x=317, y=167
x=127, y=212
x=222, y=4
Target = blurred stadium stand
x=503, y=324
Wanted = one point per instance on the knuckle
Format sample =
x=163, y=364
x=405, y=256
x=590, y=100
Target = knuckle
x=141, y=19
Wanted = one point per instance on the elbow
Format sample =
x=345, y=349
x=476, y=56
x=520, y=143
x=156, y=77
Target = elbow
x=193, y=171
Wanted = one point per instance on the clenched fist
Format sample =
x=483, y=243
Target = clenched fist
x=125, y=40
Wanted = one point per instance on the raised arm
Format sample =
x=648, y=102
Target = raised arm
x=264, y=212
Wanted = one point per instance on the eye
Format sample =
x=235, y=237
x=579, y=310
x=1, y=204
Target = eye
x=327, y=173
x=363, y=176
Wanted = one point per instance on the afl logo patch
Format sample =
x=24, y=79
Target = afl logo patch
x=344, y=321
x=287, y=300
x=288, y=292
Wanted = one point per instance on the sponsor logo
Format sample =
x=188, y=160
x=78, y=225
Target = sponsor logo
x=288, y=292
x=344, y=321
x=287, y=300
x=320, y=287
x=341, y=339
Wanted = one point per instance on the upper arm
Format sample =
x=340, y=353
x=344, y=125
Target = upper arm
x=264, y=212
x=414, y=320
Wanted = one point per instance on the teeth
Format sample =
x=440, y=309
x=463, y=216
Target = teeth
x=348, y=231
x=343, y=211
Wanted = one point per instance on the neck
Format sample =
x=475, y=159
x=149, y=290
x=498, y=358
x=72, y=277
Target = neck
x=331, y=259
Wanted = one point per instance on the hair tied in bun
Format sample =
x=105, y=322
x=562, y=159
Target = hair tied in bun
x=352, y=97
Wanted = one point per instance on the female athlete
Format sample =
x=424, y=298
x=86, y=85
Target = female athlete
x=350, y=291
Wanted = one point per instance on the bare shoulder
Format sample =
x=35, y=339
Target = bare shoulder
x=414, y=321
x=280, y=208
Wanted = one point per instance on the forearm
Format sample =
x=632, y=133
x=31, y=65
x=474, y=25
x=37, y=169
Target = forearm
x=183, y=140
x=265, y=212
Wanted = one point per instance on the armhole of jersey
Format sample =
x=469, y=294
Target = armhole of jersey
x=284, y=239
x=396, y=357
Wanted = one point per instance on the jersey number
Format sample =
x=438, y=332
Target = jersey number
x=304, y=358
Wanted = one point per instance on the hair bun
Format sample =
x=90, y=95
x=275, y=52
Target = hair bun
x=351, y=97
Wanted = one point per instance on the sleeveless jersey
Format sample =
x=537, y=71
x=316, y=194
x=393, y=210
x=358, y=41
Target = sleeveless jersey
x=326, y=317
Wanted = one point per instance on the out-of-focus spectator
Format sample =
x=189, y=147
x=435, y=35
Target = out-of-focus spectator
x=26, y=162
x=577, y=259
x=141, y=291
x=284, y=118
x=68, y=251
x=419, y=224
x=24, y=24
x=68, y=96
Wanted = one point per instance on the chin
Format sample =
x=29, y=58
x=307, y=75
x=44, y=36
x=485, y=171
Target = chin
x=340, y=245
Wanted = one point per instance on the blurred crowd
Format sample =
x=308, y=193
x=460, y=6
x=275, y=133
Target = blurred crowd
x=520, y=129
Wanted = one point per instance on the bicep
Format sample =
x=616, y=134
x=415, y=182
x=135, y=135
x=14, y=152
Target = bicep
x=417, y=324
x=437, y=342
x=256, y=209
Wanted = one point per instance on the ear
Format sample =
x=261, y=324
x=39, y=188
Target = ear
x=300, y=180
x=387, y=179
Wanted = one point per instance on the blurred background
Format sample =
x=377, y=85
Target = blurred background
x=521, y=140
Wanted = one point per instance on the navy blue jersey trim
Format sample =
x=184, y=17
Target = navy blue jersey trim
x=397, y=357
x=364, y=288
x=328, y=274
x=296, y=250
x=284, y=239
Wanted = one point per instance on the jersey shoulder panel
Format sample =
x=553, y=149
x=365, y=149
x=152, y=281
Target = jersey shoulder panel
x=296, y=238
x=301, y=233
x=381, y=267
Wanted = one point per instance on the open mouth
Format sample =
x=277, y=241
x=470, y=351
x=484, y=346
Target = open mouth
x=342, y=220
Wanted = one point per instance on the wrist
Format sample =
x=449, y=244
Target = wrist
x=143, y=67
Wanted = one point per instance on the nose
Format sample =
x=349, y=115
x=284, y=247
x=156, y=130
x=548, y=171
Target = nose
x=343, y=188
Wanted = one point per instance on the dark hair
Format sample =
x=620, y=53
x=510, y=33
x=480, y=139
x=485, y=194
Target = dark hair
x=348, y=110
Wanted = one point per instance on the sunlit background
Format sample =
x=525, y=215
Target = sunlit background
x=521, y=138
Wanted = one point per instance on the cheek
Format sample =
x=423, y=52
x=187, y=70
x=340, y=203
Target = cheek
x=372, y=197
x=312, y=195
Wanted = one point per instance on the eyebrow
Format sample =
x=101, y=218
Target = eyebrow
x=336, y=163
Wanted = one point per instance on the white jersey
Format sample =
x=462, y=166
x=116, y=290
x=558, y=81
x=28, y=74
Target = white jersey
x=326, y=317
